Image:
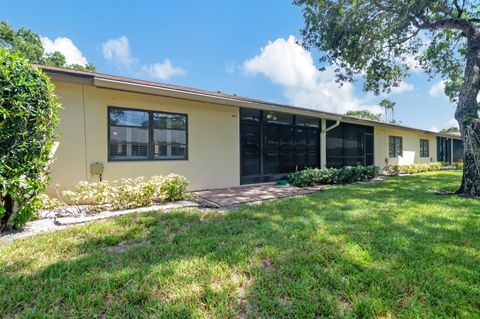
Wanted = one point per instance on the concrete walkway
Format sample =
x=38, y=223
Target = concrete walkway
x=234, y=196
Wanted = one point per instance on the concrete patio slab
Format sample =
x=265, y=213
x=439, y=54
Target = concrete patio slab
x=233, y=196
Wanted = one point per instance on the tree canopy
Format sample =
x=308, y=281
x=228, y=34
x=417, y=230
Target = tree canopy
x=450, y=129
x=365, y=114
x=381, y=41
x=384, y=40
x=29, y=44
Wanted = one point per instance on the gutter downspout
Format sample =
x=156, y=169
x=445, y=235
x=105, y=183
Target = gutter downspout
x=323, y=141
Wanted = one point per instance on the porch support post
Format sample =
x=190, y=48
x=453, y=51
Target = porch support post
x=323, y=144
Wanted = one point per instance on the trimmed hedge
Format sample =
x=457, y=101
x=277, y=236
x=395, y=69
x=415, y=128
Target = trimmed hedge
x=414, y=168
x=419, y=168
x=344, y=175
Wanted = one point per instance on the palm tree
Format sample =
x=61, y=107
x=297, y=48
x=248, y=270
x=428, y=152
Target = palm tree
x=388, y=105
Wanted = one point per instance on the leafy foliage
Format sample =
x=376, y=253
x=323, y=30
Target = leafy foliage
x=365, y=114
x=129, y=193
x=344, y=175
x=29, y=44
x=414, y=168
x=384, y=40
x=28, y=118
x=450, y=129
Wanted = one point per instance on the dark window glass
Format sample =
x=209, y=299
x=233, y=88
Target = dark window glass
x=300, y=139
x=120, y=117
x=301, y=159
x=353, y=141
x=132, y=137
x=169, y=136
x=277, y=118
x=424, y=148
x=349, y=144
x=312, y=138
x=394, y=146
x=286, y=137
x=271, y=161
x=128, y=142
x=250, y=143
x=271, y=137
x=250, y=115
x=313, y=158
x=444, y=149
x=169, y=121
x=307, y=121
x=335, y=142
x=287, y=161
x=457, y=150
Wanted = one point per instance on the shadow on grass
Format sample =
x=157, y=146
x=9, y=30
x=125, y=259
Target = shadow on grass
x=382, y=249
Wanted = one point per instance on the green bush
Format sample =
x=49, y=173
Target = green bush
x=414, y=168
x=129, y=192
x=458, y=165
x=344, y=175
x=28, y=118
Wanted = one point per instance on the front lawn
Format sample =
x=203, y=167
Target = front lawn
x=392, y=249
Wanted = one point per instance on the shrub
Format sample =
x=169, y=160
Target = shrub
x=413, y=168
x=316, y=176
x=28, y=118
x=46, y=202
x=459, y=165
x=129, y=192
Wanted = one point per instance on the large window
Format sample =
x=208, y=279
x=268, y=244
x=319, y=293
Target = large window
x=146, y=135
x=424, y=148
x=395, y=146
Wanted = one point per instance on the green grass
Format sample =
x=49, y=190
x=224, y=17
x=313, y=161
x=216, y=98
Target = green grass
x=391, y=249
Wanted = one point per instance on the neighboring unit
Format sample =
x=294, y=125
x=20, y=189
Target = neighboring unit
x=113, y=127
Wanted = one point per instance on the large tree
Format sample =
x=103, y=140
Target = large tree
x=29, y=44
x=382, y=40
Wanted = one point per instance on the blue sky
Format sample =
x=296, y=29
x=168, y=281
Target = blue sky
x=242, y=47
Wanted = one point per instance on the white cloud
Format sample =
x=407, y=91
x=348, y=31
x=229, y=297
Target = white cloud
x=402, y=87
x=65, y=46
x=452, y=122
x=438, y=89
x=162, y=71
x=434, y=129
x=289, y=65
x=118, y=51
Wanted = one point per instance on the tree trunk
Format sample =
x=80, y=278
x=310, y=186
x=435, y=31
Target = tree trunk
x=467, y=116
x=9, y=205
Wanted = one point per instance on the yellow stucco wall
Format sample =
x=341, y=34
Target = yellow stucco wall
x=411, y=147
x=213, y=139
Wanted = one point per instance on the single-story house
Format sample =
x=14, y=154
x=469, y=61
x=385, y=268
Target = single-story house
x=114, y=127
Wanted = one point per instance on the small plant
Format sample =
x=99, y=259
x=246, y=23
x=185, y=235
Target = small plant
x=344, y=175
x=129, y=192
x=46, y=202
